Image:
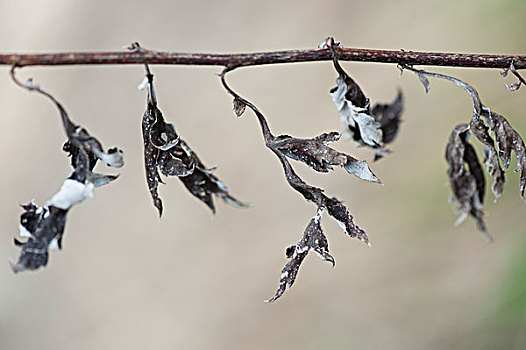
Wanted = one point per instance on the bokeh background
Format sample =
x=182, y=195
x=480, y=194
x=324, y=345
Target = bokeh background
x=127, y=280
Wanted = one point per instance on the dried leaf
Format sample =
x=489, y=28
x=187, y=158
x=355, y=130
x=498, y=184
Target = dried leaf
x=370, y=129
x=335, y=208
x=238, y=107
x=467, y=184
x=481, y=131
x=507, y=138
x=388, y=116
x=320, y=157
x=164, y=151
x=313, y=239
x=44, y=235
x=44, y=226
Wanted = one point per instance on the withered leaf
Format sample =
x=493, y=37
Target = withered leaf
x=44, y=233
x=467, y=184
x=481, y=131
x=388, y=115
x=166, y=152
x=372, y=129
x=43, y=227
x=506, y=138
x=238, y=107
x=320, y=157
x=313, y=239
x=336, y=209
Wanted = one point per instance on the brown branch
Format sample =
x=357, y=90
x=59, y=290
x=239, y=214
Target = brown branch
x=263, y=58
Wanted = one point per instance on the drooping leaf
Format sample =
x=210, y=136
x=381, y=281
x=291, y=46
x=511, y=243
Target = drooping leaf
x=481, y=131
x=467, y=183
x=43, y=227
x=320, y=157
x=166, y=152
x=373, y=129
x=314, y=240
x=506, y=138
x=335, y=208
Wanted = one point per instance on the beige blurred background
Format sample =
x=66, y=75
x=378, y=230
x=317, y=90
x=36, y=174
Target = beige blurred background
x=127, y=280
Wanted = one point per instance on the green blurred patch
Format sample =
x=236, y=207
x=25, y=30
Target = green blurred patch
x=506, y=327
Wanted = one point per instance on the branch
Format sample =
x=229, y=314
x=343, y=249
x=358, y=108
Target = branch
x=262, y=58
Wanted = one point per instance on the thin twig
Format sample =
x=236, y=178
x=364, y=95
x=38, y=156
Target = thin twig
x=264, y=58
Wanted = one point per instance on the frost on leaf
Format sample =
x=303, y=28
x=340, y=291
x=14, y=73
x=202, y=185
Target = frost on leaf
x=370, y=128
x=314, y=240
x=43, y=227
x=467, y=183
x=166, y=153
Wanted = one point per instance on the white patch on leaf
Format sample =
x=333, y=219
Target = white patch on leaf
x=71, y=193
x=354, y=116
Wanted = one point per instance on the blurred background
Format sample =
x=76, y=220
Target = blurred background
x=127, y=280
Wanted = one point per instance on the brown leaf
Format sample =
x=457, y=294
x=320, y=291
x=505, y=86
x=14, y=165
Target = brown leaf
x=508, y=139
x=320, y=157
x=164, y=151
x=467, y=184
x=481, y=131
x=313, y=239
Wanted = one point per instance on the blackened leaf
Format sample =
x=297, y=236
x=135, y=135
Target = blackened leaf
x=313, y=239
x=152, y=117
x=46, y=236
x=44, y=226
x=320, y=157
x=203, y=184
x=388, y=115
x=467, y=184
x=166, y=152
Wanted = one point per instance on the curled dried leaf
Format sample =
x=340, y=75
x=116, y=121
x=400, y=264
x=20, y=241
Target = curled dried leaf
x=509, y=139
x=320, y=157
x=44, y=226
x=370, y=129
x=314, y=240
x=481, y=131
x=166, y=152
x=506, y=138
x=467, y=183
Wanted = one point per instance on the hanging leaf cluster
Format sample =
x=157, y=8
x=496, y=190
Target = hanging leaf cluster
x=374, y=127
x=42, y=227
x=166, y=152
x=319, y=156
x=499, y=139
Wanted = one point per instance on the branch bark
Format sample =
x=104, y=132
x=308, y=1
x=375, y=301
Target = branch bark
x=264, y=58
